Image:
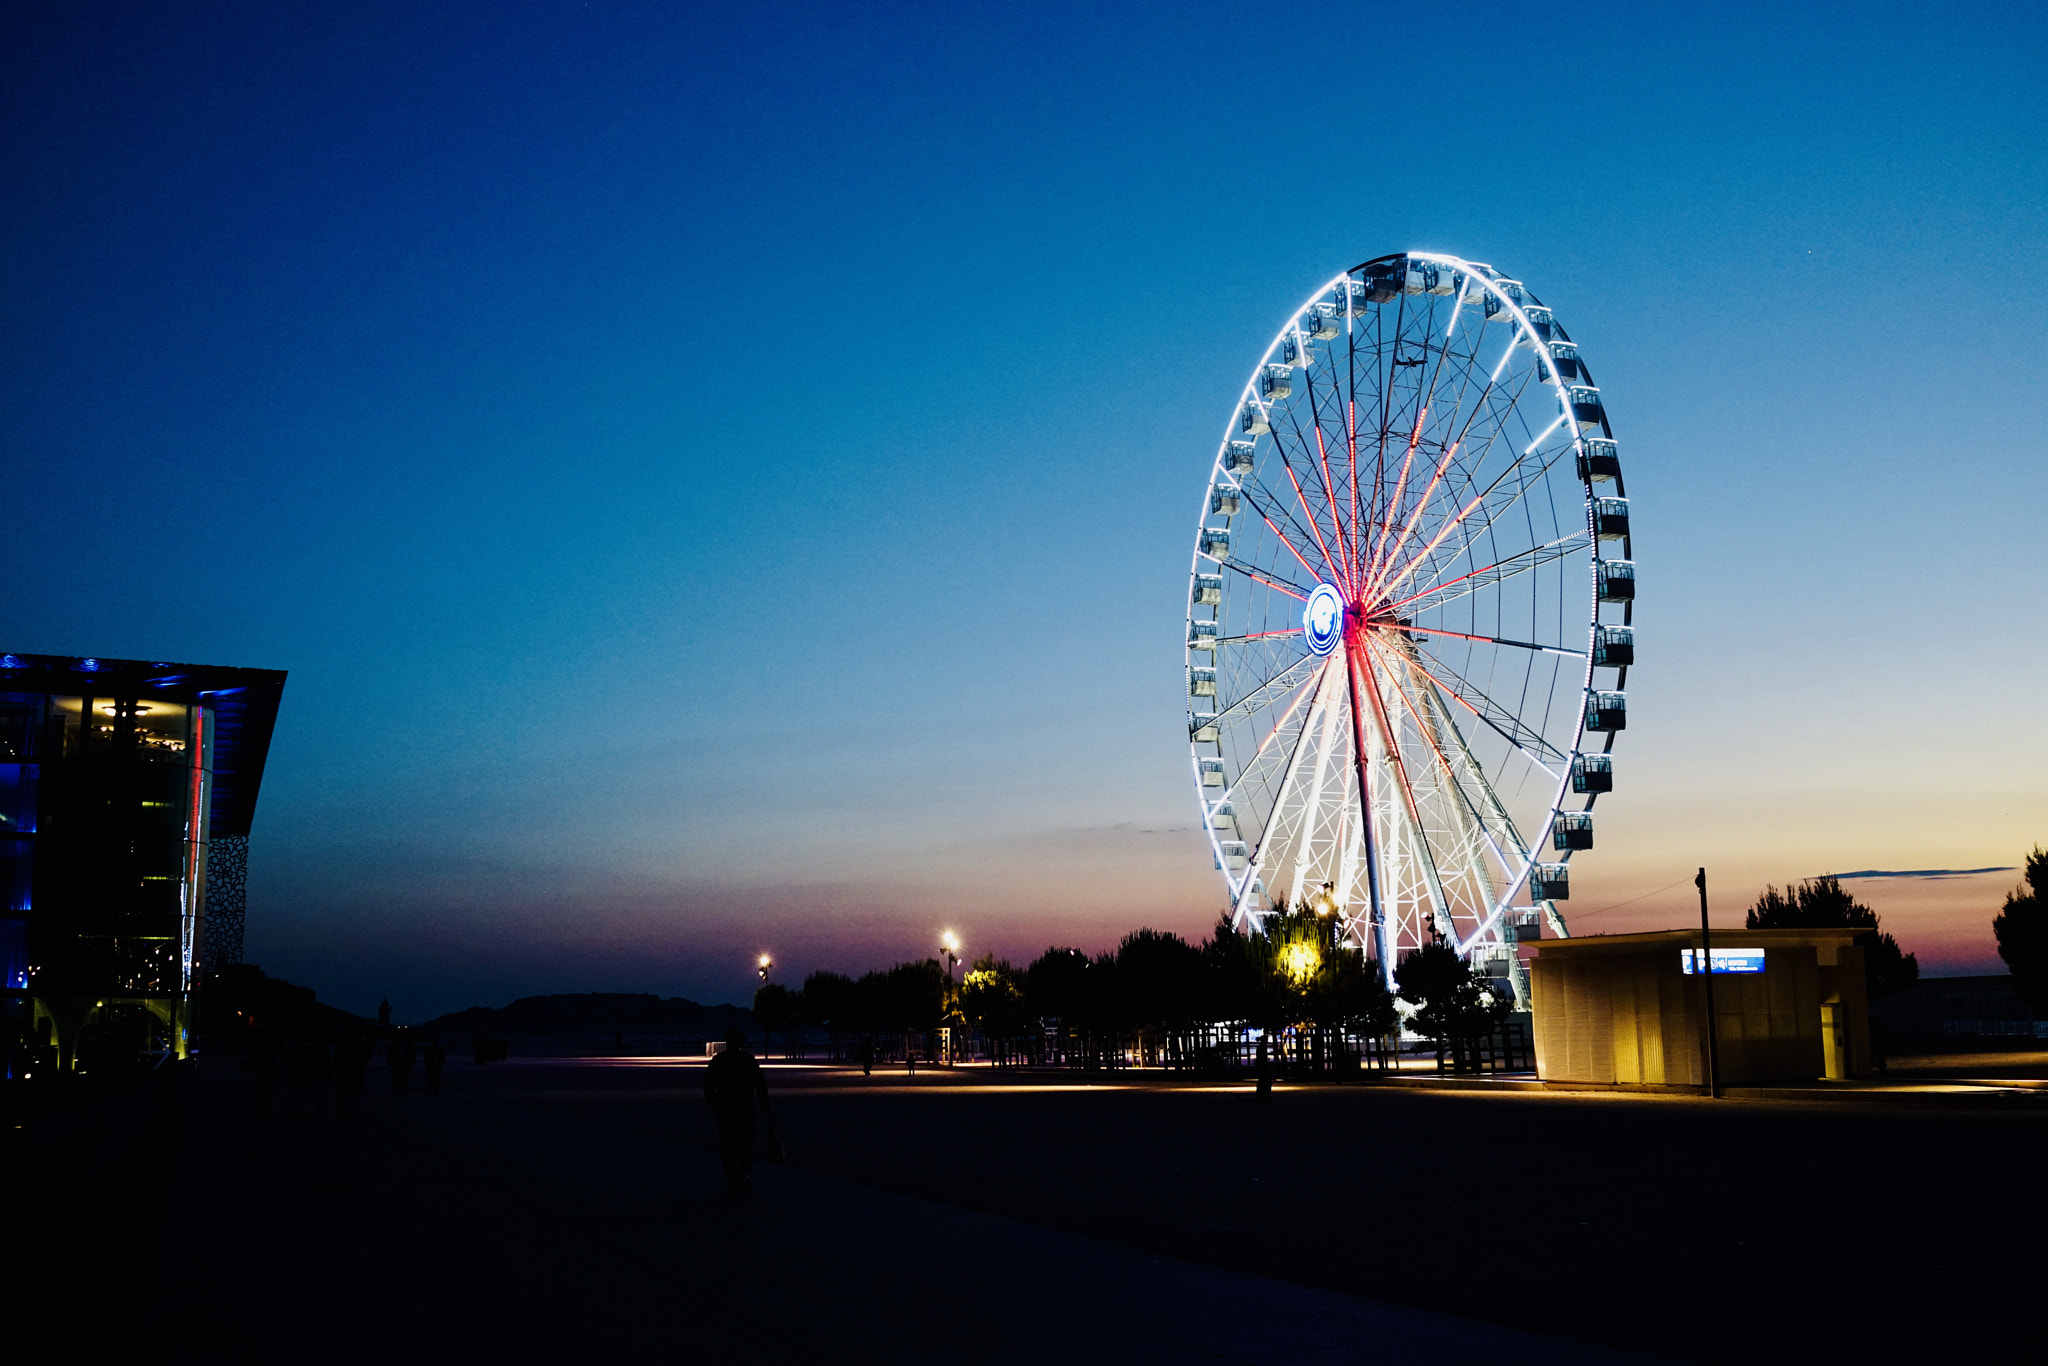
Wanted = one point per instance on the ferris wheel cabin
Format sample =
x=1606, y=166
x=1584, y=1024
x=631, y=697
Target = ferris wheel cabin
x=1320, y=323
x=1610, y=518
x=1593, y=773
x=1599, y=460
x=1606, y=711
x=1541, y=320
x=1585, y=404
x=1565, y=356
x=1614, y=647
x=1551, y=882
x=1572, y=830
x=1617, y=579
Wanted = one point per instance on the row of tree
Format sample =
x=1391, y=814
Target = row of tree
x=1294, y=973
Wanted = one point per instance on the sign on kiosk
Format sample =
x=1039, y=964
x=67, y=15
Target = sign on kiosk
x=1724, y=960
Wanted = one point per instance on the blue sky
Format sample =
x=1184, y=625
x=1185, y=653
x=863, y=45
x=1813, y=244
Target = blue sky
x=721, y=478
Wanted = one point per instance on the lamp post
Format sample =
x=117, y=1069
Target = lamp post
x=1707, y=973
x=949, y=944
x=761, y=968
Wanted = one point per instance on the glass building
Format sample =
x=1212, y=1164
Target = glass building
x=126, y=792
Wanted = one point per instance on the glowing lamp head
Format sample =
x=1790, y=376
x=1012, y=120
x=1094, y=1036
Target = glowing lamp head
x=1322, y=620
x=1299, y=961
x=950, y=942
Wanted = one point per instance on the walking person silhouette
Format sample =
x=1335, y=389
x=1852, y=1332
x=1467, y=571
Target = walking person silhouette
x=733, y=1081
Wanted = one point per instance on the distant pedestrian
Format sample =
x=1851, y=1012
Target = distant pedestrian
x=437, y=1056
x=1265, y=1070
x=733, y=1082
x=867, y=1057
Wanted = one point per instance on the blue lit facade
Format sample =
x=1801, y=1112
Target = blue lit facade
x=116, y=776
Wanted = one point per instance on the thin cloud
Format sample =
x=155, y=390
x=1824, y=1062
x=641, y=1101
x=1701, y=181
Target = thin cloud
x=1919, y=872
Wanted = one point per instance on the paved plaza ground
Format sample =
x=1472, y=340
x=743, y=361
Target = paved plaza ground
x=547, y=1207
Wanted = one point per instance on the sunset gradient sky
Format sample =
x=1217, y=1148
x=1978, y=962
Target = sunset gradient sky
x=721, y=478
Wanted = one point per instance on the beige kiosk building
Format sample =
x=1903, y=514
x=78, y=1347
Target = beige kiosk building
x=1631, y=1009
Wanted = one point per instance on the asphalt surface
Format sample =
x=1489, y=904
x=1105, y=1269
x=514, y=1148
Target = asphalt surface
x=1710, y=1230
x=462, y=1227
x=547, y=1207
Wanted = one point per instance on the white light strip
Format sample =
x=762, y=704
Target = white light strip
x=1544, y=435
x=1495, y=377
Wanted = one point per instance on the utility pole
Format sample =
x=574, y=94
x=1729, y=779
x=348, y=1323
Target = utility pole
x=1707, y=969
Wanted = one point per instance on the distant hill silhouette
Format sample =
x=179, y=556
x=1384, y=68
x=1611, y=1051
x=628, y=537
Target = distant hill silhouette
x=592, y=1014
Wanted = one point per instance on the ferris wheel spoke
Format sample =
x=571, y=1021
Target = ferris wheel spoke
x=1504, y=723
x=1426, y=726
x=1320, y=396
x=1390, y=505
x=1262, y=694
x=1412, y=629
x=1466, y=774
x=1273, y=581
x=1384, y=586
x=1321, y=462
x=1249, y=769
x=1519, y=563
x=1313, y=525
x=1278, y=534
x=1477, y=459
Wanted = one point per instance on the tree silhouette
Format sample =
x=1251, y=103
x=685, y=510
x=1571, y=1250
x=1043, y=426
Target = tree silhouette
x=775, y=1008
x=1453, y=1009
x=827, y=1002
x=2022, y=930
x=1233, y=986
x=1159, y=978
x=992, y=1000
x=1821, y=904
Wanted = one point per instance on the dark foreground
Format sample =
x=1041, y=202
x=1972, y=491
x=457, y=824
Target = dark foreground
x=1718, y=1231
x=546, y=1208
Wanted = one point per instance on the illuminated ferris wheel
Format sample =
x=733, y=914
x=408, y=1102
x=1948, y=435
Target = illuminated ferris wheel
x=1408, y=624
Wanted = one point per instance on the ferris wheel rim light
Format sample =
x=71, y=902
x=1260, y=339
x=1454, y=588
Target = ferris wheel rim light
x=1370, y=549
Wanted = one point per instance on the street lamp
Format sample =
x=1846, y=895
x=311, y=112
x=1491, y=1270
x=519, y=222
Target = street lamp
x=1325, y=902
x=949, y=944
x=762, y=967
